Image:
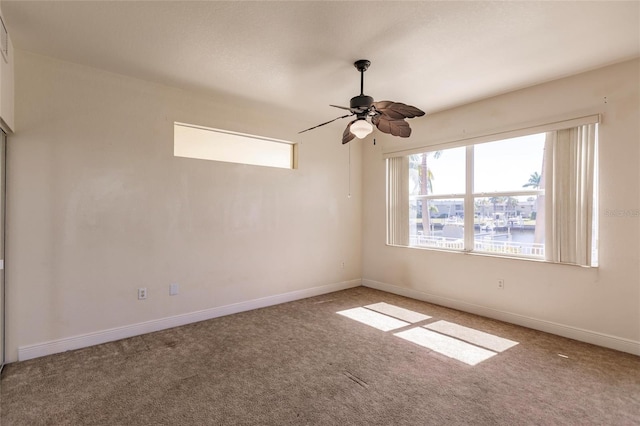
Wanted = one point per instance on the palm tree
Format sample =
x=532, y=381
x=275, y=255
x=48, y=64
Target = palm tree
x=423, y=182
x=494, y=201
x=417, y=165
x=426, y=187
x=512, y=203
x=534, y=181
x=481, y=204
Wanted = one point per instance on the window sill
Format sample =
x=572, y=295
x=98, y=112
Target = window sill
x=493, y=256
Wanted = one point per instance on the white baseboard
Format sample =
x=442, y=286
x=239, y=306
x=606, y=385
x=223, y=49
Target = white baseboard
x=104, y=336
x=600, y=339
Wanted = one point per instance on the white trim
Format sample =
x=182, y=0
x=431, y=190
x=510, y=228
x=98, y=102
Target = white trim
x=104, y=336
x=110, y=335
x=197, y=142
x=469, y=201
x=588, y=336
x=493, y=135
x=230, y=132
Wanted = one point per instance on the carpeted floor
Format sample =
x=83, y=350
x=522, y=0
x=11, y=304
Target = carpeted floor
x=301, y=363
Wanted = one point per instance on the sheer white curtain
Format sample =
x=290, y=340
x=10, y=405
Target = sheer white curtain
x=398, y=201
x=570, y=162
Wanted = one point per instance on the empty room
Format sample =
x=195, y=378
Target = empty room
x=319, y=212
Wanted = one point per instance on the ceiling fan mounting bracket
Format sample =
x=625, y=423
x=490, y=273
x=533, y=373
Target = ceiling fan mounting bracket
x=362, y=65
x=360, y=103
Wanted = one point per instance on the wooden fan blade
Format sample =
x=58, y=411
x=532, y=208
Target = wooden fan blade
x=330, y=121
x=347, y=136
x=382, y=104
x=382, y=124
x=341, y=107
x=397, y=110
x=393, y=127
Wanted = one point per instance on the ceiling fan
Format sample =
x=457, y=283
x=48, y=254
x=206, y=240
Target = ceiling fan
x=387, y=116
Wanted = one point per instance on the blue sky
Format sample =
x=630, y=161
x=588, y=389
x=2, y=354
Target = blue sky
x=499, y=166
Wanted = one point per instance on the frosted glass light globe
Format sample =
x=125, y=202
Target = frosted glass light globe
x=361, y=128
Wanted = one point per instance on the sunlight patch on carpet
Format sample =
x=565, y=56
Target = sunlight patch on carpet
x=480, y=338
x=447, y=346
x=455, y=341
x=373, y=319
x=398, y=312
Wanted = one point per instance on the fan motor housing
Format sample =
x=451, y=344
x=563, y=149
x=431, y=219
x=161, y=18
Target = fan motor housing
x=362, y=102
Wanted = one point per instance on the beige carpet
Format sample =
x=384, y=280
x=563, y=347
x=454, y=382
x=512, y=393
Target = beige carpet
x=302, y=363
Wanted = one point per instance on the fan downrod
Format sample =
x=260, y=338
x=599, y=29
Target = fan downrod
x=362, y=65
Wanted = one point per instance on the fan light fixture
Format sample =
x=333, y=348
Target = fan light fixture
x=388, y=116
x=361, y=128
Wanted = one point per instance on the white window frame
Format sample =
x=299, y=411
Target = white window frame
x=469, y=196
x=205, y=143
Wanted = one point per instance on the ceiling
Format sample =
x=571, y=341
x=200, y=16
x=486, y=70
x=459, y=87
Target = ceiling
x=299, y=55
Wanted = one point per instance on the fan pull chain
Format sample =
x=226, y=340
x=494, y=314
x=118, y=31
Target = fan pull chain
x=349, y=195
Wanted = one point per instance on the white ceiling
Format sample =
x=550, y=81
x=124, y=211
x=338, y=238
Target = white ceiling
x=299, y=55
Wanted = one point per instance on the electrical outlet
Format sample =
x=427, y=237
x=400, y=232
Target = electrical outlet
x=142, y=293
x=342, y=265
x=174, y=289
x=500, y=283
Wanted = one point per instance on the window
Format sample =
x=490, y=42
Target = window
x=507, y=196
x=436, y=199
x=220, y=145
x=527, y=196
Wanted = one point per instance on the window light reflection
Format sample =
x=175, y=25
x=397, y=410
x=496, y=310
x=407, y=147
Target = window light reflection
x=398, y=312
x=445, y=345
x=480, y=338
x=464, y=344
x=373, y=319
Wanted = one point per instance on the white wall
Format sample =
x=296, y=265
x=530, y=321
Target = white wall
x=599, y=305
x=98, y=206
